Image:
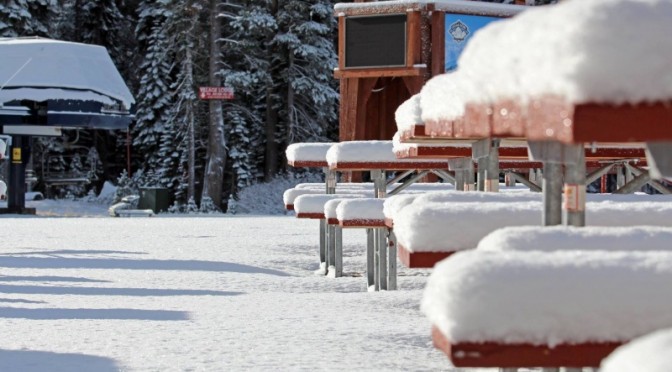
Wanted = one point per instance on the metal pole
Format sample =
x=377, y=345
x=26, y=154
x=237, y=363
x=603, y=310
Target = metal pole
x=480, y=177
x=492, y=170
x=574, y=206
x=517, y=177
x=370, y=255
x=16, y=196
x=459, y=180
x=331, y=246
x=392, y=274
x=552, y=193
x=338, y=251
x=381, y=238
x=620, y=176
x=323, y=246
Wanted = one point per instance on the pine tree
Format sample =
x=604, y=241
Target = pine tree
x=154, y=97
x=26, y=17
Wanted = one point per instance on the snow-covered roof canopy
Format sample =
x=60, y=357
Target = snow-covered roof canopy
x=451, y=6
x=66, y=70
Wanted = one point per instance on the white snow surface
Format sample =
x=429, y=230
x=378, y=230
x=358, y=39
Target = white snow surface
x=650, y=353
x=177, y=293
x=525, y=56
x=46, y=63
x=588, y=238
x=549, y=298
x=314, y=151
x=360, y=209
x=315, y=203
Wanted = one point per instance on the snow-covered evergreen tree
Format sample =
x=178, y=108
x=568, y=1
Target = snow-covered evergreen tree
x=154, y=98
x=26, y=17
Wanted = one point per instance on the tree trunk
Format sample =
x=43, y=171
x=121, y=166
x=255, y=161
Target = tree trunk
x=191, y=143
x=271, y=153
x=216, y=152
x=290, y=101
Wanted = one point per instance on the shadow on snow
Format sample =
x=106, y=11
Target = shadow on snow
x=121, y=314
x=28, y=360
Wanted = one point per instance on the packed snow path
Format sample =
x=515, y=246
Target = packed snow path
x=197, y=293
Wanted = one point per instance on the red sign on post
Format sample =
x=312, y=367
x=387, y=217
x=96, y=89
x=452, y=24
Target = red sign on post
x=215, y=93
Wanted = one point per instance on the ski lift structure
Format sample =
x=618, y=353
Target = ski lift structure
x=48, y=86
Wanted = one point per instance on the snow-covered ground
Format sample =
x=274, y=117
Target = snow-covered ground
x=220, y=293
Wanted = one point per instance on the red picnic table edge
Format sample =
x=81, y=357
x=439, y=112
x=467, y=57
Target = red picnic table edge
x=389, y=165
x=521, y=355
x=420, y=260
x=362, y=223
x=553, y=119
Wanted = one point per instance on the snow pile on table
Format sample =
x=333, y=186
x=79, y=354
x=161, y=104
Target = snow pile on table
x=366, y=152
x=588, y=238
x=456, y=6
x=650, y=353
x=307, y=152
x=551, y=298
x=591, y=60
x=46, y=63
x=430, y=226
x=368, y=209
x=453, y=226
x=330, y=207
x=408, y=113
x=314, y=204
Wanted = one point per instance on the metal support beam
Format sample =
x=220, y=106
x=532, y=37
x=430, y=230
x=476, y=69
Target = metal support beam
x=519, y=178
x=408, y=182
x=635, y=185
x=621, y=176
x=592, y=177
x=331, y=247
x=444, y=175
x=659, y=158
x=655, y=184
x=400, y=177
x=574, y=206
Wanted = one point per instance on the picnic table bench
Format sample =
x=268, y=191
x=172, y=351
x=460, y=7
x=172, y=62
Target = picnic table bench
x=533, y=307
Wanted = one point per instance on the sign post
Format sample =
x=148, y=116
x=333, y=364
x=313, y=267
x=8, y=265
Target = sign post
x=220, y=93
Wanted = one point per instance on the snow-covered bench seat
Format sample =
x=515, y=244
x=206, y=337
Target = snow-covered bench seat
x=290, y=195
x=545, y=309
x=362, y=213
x=308, y=155
x=427, y=232
x=650, y=353
x=374, y=155
x=312, y=205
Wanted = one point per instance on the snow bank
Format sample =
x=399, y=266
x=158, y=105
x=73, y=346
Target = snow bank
x=589, y=238
x=591, y=60
x=46, y=63
x=307, y=152
x=315, y=203
x=550, y=298
x=650, y=353
x=360, y=209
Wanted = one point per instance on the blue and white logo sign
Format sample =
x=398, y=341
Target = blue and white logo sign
x=459, y=28
x=459, y=31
